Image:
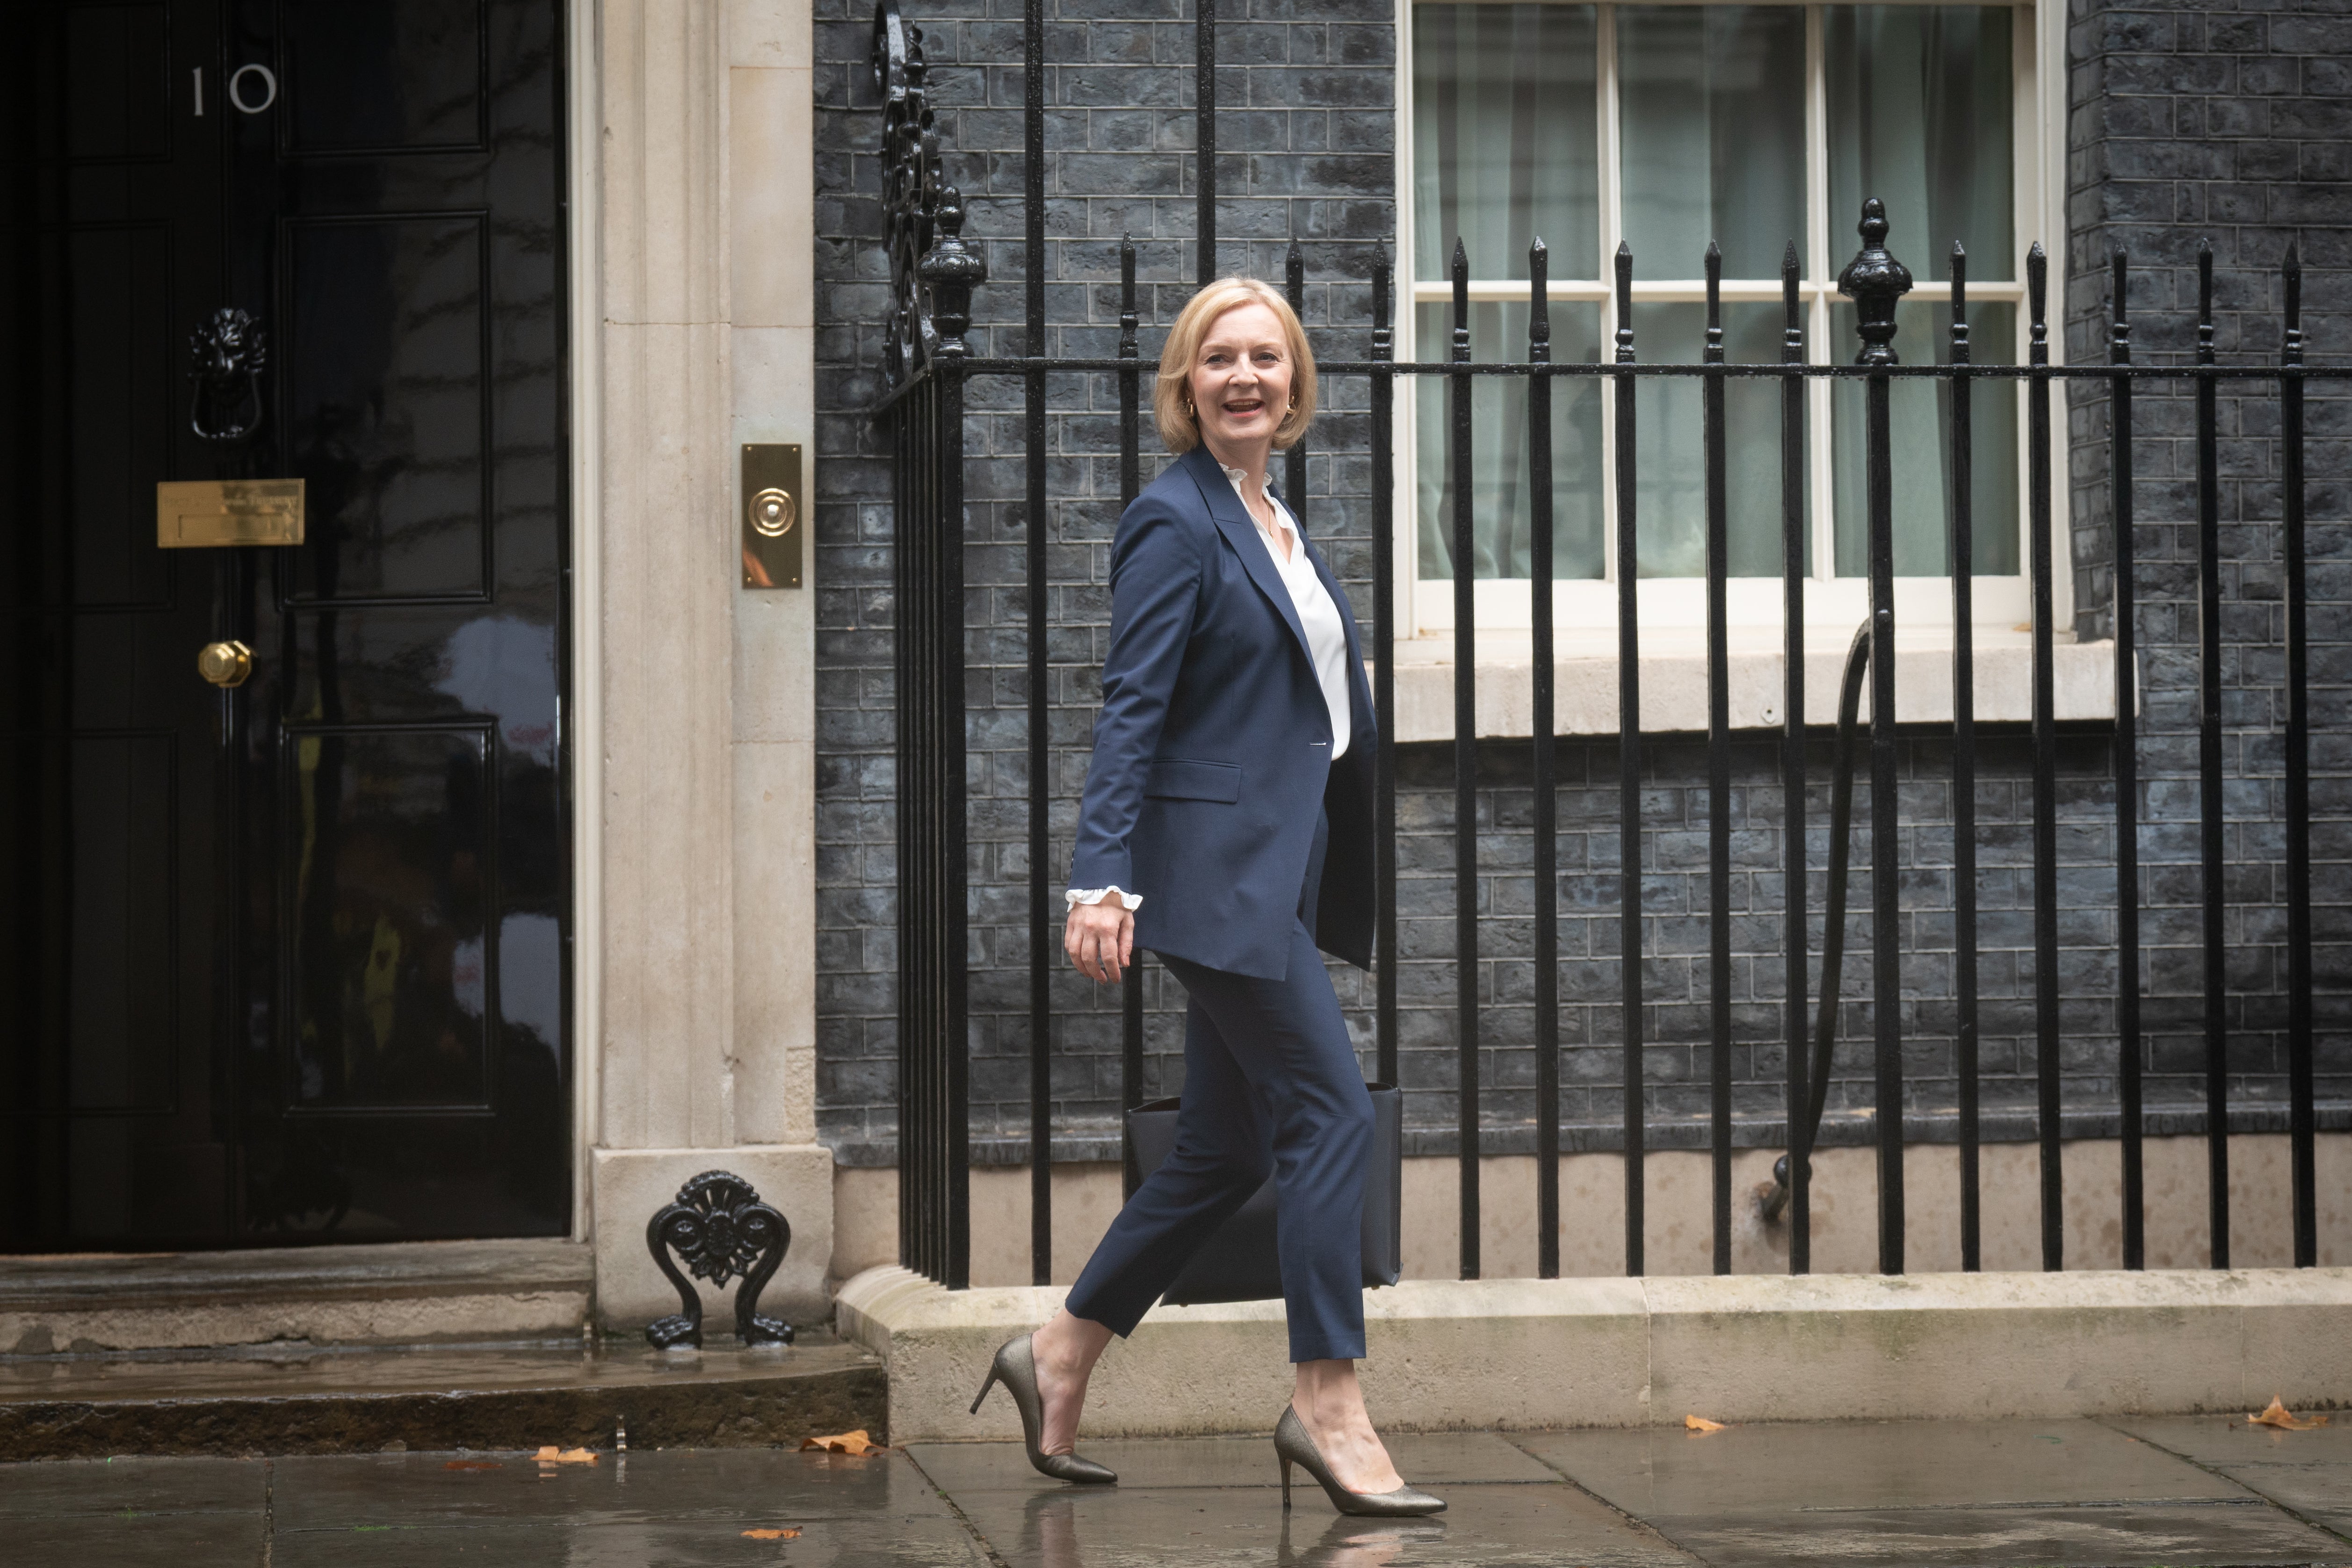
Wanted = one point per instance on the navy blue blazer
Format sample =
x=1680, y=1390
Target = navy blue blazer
x=1212, y=751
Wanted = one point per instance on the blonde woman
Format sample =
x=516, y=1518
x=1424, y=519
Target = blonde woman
x=1226, y=826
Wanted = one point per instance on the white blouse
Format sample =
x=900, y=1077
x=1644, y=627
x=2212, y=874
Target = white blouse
x=1326, y=639
x=1319, y=617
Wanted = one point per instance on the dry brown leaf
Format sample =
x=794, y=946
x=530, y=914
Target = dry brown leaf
x=1701, y=1423
x=552, y=1454
x=2276, y=1414
x=769, y=1535
x=853, y=1443
x=473, y=1465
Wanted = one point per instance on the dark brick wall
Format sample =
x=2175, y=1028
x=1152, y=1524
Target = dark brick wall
x=1306, y=138
x=2227, y=126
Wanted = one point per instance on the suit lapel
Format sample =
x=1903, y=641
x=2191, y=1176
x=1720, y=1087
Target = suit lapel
x=1233, y=519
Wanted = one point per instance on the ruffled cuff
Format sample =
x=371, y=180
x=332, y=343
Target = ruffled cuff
x=1077, y=895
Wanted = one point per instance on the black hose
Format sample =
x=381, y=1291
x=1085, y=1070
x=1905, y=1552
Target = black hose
x=1857, y=666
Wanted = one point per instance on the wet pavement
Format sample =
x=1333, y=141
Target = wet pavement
x=2185, y=1492
x=296, y=1399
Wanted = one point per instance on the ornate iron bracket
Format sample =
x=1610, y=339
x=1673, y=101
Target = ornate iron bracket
x=226, y=356
x=722, y=1229
x=933, y=271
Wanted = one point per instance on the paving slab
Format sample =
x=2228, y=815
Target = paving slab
x=122, y=1488
x=758, y=1488
x=678, y=1507
x=1134, y=1527
x=2310, y=1472
x=1966, y=1494
x=1164, y=1464
x=140, y=1540
x=628, y=1544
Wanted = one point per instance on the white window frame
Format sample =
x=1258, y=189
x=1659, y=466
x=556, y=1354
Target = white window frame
x=1674, y=608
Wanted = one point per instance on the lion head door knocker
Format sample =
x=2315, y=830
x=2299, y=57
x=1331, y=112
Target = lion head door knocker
x=226, y=356
x=720, y=1228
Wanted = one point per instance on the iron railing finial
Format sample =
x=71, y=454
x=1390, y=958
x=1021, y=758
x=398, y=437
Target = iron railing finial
x=1874, y=280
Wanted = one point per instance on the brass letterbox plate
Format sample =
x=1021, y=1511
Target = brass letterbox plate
x=197, y=514
x=773, y=515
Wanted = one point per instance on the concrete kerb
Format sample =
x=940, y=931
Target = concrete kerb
x=1529, y=1354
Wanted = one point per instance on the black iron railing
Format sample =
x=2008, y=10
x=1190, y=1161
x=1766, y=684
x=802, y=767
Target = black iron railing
x=934, y=274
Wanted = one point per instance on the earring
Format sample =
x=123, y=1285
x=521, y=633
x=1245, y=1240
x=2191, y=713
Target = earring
x=1188, y=411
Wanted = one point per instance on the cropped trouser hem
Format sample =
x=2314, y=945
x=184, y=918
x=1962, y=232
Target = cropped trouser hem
x=1271, y=1088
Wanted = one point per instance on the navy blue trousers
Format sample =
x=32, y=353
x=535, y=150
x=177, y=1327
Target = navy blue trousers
x=1271, y=1087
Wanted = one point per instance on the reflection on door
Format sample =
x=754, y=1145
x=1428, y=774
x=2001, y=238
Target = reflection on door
x=293, y=953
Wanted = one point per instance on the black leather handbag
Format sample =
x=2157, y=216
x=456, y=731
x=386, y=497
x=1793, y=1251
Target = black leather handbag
x=1239, y=1263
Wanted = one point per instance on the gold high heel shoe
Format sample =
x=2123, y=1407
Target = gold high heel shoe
x=1015, y=1367
x=1295, y=1445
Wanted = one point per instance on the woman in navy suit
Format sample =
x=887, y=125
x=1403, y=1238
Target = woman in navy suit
x=1226, y=826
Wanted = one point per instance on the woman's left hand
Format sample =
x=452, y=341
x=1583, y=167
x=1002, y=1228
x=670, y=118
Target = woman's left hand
x=1100, y=939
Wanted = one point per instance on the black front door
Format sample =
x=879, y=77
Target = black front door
x=287, y=960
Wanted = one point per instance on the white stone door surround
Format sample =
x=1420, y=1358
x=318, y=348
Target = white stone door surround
x=694, y=1020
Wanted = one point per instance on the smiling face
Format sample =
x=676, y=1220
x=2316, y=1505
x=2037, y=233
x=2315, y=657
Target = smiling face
x=1241, y=384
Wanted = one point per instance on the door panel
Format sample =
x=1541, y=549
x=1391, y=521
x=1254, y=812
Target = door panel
x=345, y=100
x=385, y=401
x=397, y=215
x=390, y=846
x=288, y=962
x=115, y=1123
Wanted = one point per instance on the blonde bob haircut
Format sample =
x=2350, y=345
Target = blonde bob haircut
x=1172, y=398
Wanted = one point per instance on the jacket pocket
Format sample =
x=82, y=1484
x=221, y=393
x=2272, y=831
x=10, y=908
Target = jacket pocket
x=1179, y=778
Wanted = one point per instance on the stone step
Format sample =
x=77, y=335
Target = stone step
x=496, y=1397
x=405, y=1292
x=1526, y=1354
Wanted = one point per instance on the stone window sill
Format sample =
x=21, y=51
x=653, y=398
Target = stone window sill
x=1674, y=681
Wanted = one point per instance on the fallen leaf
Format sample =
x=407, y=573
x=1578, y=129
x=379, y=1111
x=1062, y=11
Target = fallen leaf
x=853, y=1443
x=473, y=1465
x=1701, y=1423
x=551, y=1455
x=769, y=1535
x=2276, y=1414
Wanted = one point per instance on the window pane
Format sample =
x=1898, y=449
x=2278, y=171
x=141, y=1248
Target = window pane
x=1503, y=134
x=1919, y=417
x=1919, y=117
x=1499, y=440
x=1712, y=110
x=1670, y=465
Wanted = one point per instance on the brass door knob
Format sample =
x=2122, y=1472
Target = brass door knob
x=226, y=664
x=772, y=513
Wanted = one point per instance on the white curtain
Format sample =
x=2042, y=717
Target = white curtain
x=1670, y=472
x=1505, y=152
x=1504, y=138
x=1919, y=105
x=1712, y=121
x=1502, y=518
x=1918, y=417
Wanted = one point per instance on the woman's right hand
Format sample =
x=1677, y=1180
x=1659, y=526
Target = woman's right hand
x=1100, y=939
